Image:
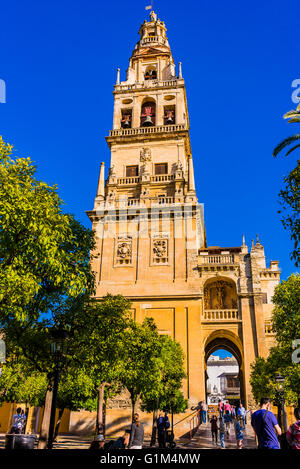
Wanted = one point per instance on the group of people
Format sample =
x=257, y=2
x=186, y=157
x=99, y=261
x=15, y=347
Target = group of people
x=263, y=422
x=221, y=425
x=133, y=438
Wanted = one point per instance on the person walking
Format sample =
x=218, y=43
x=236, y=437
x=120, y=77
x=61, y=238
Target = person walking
x=238, y=431
x=265, y=426
x=227, y=407
x=220, y=408
x=227, y=421
x=241, y=412
x=163, y=424
x=214, y=429
x=293, y=433
x=136, y=434
x=204, y=412
x=222, y=432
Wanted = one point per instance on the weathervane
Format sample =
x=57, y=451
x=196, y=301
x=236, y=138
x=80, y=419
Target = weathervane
x=153, y=16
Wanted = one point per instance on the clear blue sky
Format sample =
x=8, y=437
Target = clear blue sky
x=59, y=60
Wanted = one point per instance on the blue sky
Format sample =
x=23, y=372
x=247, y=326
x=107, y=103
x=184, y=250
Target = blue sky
x=59, y=62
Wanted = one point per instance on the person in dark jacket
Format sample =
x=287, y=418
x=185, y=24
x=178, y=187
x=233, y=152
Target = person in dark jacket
x=163, y=424
x=120, y=443
x=137, y=433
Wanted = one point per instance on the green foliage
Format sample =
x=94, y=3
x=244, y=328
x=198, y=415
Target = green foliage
x=290, y=201
x=19, y=383
x=286, y=326
x=290, y=194
x=141, y=356
x=286, y=312
x=98, y=336
x=43, y=252
x=168, y=393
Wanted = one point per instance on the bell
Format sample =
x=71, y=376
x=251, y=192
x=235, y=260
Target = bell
x=126, y=123
x=170, y=120
x=148, y=121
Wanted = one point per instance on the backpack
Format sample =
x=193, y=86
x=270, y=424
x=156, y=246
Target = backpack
x=18, y=421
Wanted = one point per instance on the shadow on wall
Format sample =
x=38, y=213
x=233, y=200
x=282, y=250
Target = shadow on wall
x=88, y=426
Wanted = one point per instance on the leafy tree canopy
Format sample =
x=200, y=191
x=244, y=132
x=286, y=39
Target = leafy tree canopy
x=43, y=252
x=290, y=194
x=283, y=358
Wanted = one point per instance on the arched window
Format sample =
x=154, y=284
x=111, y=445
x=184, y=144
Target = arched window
x=148, y=114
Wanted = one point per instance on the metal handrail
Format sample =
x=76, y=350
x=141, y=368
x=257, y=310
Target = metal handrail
x=186, y=417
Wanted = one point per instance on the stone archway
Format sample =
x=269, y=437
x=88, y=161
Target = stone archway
x=222, y=339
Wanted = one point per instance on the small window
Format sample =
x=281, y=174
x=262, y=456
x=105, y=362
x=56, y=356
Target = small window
x=161, y=168
x=132, y=171
x=264, y=298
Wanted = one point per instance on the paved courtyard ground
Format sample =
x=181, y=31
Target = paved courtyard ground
x=201, y=440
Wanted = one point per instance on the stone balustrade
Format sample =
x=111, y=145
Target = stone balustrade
x=148, y=83
x=126, y=203
x=158, y=178
x=128, y=180
x=147, y=130
x=220, y=314
x=149, y=39
x=164, y=200
x=161, y=178
x=217, y=259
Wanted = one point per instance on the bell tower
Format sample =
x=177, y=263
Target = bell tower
x=151, y=176
x=150, y=146
x=149, y=227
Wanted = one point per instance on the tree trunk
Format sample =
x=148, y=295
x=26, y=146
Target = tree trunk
x=154, y=428
x=134, y=404
x=104, y=416
x=44, y=433
x=59, y=419
x=99, y=423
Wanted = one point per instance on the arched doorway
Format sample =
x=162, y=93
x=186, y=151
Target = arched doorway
x=224, y=377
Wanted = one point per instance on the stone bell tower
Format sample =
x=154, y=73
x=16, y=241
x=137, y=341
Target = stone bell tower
x=150, y=235
x=147, y=209
x=149, y=225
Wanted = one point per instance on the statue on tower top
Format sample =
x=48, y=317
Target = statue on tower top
x=153, y=16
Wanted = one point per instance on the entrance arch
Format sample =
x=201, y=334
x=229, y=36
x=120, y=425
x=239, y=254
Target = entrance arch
x=226, y=340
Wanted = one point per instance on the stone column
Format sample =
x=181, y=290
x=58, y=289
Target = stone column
x=191, y=175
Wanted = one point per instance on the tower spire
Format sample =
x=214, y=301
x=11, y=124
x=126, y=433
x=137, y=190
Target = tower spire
x=100, y=189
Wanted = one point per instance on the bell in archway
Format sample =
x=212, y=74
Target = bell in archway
x=169, y=117
x=148, y=121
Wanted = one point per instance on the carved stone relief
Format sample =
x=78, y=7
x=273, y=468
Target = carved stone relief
x=124, y=250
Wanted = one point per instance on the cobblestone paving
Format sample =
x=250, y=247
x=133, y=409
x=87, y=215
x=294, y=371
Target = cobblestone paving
x=202, y=439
